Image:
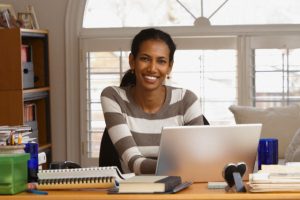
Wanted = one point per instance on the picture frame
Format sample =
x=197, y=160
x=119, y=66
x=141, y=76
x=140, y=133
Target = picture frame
x=26, y=19
x=30, y=9
x=8, y=17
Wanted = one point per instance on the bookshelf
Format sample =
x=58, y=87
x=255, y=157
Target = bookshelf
x=24, y=82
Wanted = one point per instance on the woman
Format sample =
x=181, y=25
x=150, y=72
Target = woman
x=136, y=111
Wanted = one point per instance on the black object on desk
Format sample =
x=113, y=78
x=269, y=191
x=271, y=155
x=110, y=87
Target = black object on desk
x=233, y=174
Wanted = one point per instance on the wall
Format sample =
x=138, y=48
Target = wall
x=51, y=16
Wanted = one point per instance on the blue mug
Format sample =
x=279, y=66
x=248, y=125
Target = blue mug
x=33, y=162
x=267, y=152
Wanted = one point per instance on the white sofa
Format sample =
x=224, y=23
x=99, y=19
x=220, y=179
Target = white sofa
x=282, y=123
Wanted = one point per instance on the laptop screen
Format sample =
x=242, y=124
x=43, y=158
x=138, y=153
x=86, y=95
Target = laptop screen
x=199, y=153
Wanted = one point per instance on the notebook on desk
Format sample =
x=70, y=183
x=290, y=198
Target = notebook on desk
x=199, y=153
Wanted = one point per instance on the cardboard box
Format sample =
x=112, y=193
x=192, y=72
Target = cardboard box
x=13, y=173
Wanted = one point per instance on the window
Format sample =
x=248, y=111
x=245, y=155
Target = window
x=211, y=74
x=226, y=64
x=281, y=67
x=103, y=69
x=122, y=13
x=207, y=68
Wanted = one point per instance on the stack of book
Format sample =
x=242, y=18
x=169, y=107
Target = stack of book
x=13, y=138
x=276, y=178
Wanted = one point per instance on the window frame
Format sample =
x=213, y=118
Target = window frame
x=244, y=34
x=246, y=40
x=123, y=44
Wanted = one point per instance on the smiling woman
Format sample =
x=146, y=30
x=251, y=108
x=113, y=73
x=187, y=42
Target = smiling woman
x=135, y=114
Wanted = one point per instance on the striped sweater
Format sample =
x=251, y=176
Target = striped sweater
x=135, y=133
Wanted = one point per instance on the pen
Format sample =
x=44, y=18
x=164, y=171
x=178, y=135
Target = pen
x=182, y=186
x=12, y=138
x=40, y=192
x=20, y=138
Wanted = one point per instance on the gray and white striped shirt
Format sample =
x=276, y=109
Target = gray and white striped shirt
x=135, y=133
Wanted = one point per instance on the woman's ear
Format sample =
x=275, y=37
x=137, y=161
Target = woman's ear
x=170, y=67
x=131, y=61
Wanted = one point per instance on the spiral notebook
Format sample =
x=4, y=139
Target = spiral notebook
x=80, y=178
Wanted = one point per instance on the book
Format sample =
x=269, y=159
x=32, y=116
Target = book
x=275, y=178
x=13, y=135
x=80, y=178
x=148, y=184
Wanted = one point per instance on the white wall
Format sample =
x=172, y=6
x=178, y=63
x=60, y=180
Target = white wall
x=51, y=16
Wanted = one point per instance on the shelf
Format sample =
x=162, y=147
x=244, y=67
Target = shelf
x=34, y=33
x=24, y=82
x=44, y=147
x=35, y=93
x=33, y=90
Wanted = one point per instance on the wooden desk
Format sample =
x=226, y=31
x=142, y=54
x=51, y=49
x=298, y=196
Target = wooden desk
x=194, y=192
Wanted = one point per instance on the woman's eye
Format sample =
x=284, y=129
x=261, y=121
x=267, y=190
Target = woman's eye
x=161, y=62
x=144, y=58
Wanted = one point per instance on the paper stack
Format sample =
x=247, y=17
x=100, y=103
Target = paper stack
x=13, y=138
x=276, y=178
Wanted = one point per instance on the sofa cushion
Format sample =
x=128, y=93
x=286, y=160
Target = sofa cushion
x=278, y=122
x=292, y=153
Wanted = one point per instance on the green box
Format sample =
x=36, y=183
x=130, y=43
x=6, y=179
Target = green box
x=13, y=173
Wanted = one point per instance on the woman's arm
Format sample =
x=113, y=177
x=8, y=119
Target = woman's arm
x=121, y=135
x=192, y=109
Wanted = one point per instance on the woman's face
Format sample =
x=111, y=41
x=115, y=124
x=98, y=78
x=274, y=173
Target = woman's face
x=151, y=64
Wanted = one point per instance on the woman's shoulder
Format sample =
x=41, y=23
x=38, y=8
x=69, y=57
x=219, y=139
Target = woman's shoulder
x=108, y=90
x=115, y=92
x=180, y=92
x=111, y=90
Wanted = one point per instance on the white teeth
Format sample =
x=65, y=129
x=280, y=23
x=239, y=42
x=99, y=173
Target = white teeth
x=151, y=77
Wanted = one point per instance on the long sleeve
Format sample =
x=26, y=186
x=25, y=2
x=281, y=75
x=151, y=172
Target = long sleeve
x=192, y=109
x=121, y=135
x=136, y=134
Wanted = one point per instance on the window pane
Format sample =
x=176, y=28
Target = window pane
x=123, y=13
x=103, y=69
x=282, y=70
x=211, y=74
x=272, y=87
x=294, y=66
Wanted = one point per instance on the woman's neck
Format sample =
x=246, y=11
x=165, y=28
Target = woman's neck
x=149, y=101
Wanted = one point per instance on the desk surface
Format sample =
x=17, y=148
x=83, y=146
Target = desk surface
x=196, y=191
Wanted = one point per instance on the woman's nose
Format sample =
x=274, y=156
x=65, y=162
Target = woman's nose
x=151, y=66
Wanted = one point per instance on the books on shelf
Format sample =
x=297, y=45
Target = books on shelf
x=275, y=178
x=29, y=112
x=30, y=119
x=149, y=184
x=80, y=178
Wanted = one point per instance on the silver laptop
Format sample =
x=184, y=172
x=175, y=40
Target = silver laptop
x=199, y=153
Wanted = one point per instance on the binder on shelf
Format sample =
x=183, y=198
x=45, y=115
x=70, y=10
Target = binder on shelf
x=27, y=64
x=28, y=75
x=26, y=52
